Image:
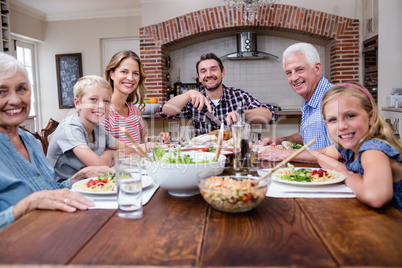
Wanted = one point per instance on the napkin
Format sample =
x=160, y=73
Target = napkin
x=339, y=190
x=110, y=202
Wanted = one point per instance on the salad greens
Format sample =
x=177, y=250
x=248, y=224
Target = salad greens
x=295, y=145
x=174, y=157
x=109, y=176
x=295, y=175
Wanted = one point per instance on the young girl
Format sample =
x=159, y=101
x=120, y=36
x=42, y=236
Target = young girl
x=372, y=154
x=80, y=140
x=126, y=76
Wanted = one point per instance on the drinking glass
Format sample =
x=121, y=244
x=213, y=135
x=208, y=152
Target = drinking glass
x=151, y=142
x=255, y=139
x=187, y=133
x=256, y=130
x=174, y=132
x=129, y=187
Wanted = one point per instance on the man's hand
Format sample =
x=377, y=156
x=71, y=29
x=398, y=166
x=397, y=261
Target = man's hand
x=198, y=100
x=231, y=118
x=269, y=141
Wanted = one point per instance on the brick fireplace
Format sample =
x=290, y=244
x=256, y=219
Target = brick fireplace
x=342, y=35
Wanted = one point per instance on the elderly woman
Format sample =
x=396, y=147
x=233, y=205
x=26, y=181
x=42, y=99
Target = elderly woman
x=26, y=179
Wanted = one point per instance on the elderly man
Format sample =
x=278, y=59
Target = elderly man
x=215, y=98
x=302, y=66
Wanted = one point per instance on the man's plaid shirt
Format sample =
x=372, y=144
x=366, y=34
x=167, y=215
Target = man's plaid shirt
x=229, y=102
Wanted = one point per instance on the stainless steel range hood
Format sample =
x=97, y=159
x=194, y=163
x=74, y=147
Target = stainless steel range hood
x=247, y=49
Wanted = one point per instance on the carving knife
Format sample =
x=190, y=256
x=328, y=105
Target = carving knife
x=213, y=118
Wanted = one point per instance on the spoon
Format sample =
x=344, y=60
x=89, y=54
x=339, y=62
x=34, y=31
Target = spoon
x=135, y=144
x=287, y=159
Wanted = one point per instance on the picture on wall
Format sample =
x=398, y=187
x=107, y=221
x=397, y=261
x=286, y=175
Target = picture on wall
x=69, y=70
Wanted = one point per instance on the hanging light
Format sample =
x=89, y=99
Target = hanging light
x=249, y=8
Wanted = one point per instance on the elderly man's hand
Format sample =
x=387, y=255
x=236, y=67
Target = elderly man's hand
x=274, y=154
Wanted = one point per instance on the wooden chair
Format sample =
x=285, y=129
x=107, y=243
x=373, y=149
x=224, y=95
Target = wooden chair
x=47, y=132
x=35, y=134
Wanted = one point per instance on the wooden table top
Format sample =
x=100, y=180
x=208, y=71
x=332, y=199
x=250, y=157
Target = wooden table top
x=302, y=232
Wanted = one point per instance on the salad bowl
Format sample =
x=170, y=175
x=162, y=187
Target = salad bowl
x=235, y=193
x=180, y=177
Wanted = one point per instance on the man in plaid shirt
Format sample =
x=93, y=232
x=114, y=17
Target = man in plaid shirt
x=303, y=69
x=215, y=98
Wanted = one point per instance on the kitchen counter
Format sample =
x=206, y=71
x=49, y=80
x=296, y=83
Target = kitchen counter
x=289, y=113
x=390, y=109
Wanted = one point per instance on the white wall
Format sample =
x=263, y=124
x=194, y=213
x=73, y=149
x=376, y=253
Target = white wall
x=264, y=79
x=76, y=36
x=389, y=48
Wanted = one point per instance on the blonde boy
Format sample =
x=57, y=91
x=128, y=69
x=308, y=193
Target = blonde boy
x=80, y=140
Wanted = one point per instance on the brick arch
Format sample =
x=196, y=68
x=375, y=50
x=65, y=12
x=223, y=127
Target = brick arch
x=342, y=33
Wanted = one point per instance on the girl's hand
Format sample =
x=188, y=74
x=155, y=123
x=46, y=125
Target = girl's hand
x=62, y=199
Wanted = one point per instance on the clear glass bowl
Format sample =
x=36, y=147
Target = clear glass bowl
x=233, y=193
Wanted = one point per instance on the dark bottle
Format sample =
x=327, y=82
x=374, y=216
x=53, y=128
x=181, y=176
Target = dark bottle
x=240, y=143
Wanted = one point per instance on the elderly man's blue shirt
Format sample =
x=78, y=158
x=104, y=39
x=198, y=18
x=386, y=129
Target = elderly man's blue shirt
x=312, y=124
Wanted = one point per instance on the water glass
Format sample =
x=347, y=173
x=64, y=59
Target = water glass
x=187, y=133
x=256, y=132
x=255, y=139
x=129, y=186
x=151, y=142
x=174, y=132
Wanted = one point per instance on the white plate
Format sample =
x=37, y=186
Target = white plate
x=338, y=177
x=146, y=181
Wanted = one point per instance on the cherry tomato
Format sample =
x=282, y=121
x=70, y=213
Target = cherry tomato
x=205, y=149
x=90, y=183
x=320, y=172
x=245, y=198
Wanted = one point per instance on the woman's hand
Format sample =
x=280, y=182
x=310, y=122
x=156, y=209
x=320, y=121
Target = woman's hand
x=165, y=136
x=63, y=199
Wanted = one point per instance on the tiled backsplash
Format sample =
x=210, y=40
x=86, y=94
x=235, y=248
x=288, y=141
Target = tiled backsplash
x=264, y=79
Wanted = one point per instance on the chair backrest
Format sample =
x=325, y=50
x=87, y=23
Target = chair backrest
x=47, y=132
x=35, y=134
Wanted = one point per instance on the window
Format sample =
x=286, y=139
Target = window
x=25, y=53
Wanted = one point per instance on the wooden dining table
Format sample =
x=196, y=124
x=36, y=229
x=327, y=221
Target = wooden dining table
x=186, y=231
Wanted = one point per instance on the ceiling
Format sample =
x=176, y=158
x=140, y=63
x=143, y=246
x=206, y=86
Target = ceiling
x=52, y=8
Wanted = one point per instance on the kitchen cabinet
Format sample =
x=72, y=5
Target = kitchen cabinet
x=370, y=57
x=5, y=27
x=370, y=18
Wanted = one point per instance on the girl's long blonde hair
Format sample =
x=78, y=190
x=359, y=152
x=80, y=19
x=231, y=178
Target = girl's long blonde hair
x=138, y=95
x=379, y=129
